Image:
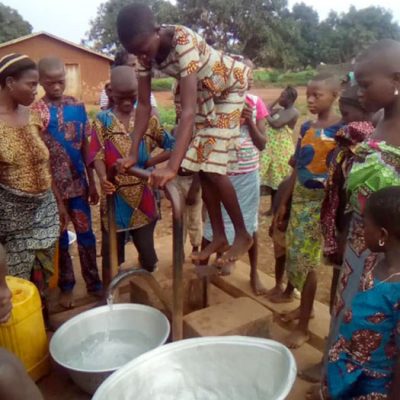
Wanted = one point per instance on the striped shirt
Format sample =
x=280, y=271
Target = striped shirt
x=248, y=154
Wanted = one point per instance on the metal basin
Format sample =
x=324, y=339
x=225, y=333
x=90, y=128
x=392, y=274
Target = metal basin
x=213, y=368
x=144, y=326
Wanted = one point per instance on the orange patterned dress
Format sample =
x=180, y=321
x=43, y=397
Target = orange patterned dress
x=221, y=86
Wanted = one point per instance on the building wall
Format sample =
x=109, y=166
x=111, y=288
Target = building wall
x=93, y=70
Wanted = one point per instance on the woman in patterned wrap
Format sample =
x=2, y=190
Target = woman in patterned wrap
x=29, y=220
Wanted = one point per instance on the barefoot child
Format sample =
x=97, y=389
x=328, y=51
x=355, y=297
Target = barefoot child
x=66, y=135
x=278, y=235
x=135, y=204
x=364, y=360
x=246, y=180
x=304, y=241
x=212, y=87
x=274, y=163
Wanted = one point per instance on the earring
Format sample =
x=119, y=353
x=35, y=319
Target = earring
x=381, y=242
x=396, y=92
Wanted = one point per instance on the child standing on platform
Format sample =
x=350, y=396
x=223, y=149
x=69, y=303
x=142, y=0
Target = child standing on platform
x=304, y=238
x=66, y=135
x=212, y=94
x=246, y=179
x=189, y=186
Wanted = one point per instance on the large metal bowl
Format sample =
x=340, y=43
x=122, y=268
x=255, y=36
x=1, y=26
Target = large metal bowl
x=212, y=368
x=140, y=318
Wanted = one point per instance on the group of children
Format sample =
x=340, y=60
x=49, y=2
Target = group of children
x=336, y=193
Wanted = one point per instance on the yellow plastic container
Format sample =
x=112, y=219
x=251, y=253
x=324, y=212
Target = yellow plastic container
x=25, y=334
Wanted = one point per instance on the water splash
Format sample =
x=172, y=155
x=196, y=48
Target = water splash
x=95, y=354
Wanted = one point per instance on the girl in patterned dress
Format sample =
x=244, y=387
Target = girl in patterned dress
x=363, y=360
x=274, y=161
x=376, y=167
x=304, y=237
x=212, y=94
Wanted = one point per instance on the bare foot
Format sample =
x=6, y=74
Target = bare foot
x=66, y=300
x=227, y=268
x=293, y=315
x=240, y=246
x=297, y=338
x=282, y=297
x=311, y=374
x=275, y=291
x=314, y=393
x=216, y=246
x=290, y=315
x=257, y=287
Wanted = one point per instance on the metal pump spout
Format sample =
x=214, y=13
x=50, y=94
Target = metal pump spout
x=122, y=276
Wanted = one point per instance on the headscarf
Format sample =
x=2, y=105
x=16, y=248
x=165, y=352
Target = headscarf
x=14, y=63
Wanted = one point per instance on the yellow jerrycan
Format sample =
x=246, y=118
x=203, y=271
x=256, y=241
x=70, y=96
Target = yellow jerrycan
x=24, y=334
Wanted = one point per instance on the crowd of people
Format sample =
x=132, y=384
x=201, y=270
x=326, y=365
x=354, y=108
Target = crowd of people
x=335, y=194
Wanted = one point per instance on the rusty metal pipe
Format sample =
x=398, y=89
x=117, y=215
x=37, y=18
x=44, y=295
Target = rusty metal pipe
x=174, y=197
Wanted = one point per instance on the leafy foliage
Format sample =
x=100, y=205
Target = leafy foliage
x=12, y=25
x=102, y=35
x=264, y=30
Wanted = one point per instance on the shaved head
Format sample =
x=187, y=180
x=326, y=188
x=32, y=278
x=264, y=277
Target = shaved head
x=50, y=64
x=123, y=79
x=330, y=80
x=377, y=72
x=124, y=87
x=384, y=54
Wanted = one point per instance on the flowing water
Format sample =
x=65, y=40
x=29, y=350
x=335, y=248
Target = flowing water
x=108, y=350
x=110, y=302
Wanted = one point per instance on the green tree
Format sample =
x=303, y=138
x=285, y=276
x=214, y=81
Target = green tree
x=306, y=46
x=263, y=30
x=250, y=27
x=343, y=36
x=102, y=35
x=12, y=25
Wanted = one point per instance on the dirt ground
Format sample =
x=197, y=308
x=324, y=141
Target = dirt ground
x=266, y=259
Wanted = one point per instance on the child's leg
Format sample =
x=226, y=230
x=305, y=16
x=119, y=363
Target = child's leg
x=211, y=200
x=301, y=333
x=143, y=239
x=256, y=285
x=278, y=289
x=287, y=296
x=222, y=186
x=66, y=277
x=82, y=220
x=273, y=193
x=195, y=223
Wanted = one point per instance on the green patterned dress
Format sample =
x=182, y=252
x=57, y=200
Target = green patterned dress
x=274, y=167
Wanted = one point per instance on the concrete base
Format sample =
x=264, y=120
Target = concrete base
x=241, y=316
